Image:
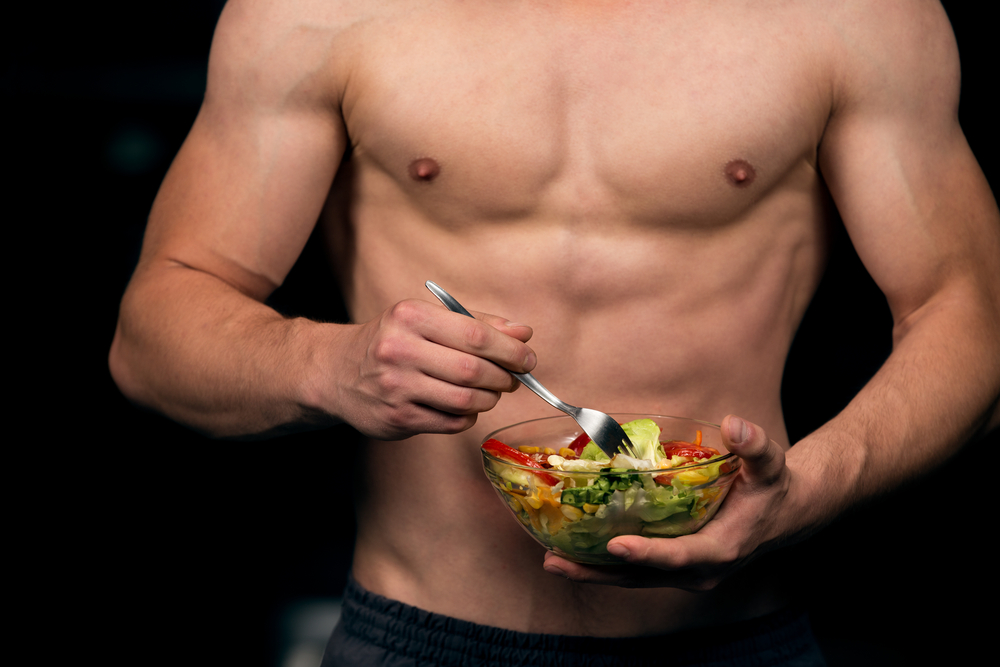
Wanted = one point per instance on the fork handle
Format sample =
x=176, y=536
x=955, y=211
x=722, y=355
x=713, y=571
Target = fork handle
x=529, y=381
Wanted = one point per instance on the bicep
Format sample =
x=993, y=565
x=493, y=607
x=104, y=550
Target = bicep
x=910, y=192
x=248, y=185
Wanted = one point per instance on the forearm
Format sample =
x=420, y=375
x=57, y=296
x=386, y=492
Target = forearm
x=195, y=348
x=937, y=390
x=191, y=346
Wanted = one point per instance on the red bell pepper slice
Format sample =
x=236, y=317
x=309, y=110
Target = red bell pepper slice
x=507, y=453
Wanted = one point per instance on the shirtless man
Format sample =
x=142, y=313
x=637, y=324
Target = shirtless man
x=648, y=186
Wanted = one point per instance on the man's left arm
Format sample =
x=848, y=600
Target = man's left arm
x=924, y=222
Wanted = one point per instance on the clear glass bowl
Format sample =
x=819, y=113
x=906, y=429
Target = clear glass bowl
x=657, y=503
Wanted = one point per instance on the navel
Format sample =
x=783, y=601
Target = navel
x=740, y=173
x=424, y=169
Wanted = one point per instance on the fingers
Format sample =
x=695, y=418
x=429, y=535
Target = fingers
x=466, y=352
x=698, y=562
x=693, y=562
x=423, y=369
x=635, y=572
x=486, y=337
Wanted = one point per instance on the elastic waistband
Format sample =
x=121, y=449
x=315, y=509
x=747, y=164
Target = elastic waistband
x=436, y=639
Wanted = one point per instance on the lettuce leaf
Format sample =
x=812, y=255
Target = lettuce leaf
x=645, y=437
x=593, y=453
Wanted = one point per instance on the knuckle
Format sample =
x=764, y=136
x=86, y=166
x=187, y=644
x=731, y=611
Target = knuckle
x=475, y=335
x=469, y=371
x=729, y=555
x=391, y=385
x=464, y=400
x=401, y=418
x=389, y=350
x=407, y=312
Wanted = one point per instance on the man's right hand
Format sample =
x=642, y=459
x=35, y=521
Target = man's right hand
x=419, y=368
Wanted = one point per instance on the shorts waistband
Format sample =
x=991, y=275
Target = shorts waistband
x=429, y=638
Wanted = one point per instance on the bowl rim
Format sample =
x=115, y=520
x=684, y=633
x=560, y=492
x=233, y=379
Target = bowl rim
x=618, y=471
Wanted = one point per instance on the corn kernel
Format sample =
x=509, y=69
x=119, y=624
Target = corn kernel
x=567, y=453
x=548, y=451
x=525, y=449
x=590, y=509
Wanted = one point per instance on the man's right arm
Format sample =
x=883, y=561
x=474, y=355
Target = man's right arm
x=194, y=338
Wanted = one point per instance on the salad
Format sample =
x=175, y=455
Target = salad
x=576, y=499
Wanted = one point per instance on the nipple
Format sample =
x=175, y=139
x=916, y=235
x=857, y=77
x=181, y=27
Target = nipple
x=424, y=169
x=740, y=173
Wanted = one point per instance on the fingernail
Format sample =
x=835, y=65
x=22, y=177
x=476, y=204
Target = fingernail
x=738, y=430
x=530, y=360
x=618, y=551
x=552, y=569
x=514, y=324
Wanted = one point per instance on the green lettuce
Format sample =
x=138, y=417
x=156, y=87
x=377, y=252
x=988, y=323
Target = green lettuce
x=593, y=453
x=645, y=437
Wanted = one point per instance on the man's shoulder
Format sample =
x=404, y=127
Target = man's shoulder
x=878, y=42
x=276, y=50
x=274, y=18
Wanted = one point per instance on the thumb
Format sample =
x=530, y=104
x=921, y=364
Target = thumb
x=763, y=459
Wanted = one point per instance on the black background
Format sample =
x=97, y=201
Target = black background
x=141, y=540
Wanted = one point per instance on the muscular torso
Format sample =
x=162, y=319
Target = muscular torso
x=638, y=183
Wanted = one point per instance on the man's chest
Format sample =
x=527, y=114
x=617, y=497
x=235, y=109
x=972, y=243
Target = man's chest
x=665, y=110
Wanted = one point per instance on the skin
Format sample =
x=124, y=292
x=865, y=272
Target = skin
x=648, y=185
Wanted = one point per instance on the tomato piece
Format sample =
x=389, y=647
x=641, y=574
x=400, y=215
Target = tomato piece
x=664, y=479
x=508, y=453
x=693, y=449
x=580, y=442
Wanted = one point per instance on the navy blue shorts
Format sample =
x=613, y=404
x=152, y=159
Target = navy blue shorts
x=374, y=630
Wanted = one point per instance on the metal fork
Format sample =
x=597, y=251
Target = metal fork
x=602, y=429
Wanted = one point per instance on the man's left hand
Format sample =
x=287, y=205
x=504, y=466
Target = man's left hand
x=744, y=526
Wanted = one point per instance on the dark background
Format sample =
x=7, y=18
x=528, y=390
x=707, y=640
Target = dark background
x=144, y=540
